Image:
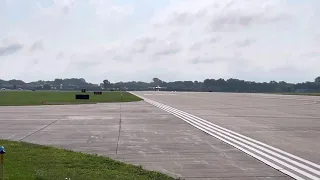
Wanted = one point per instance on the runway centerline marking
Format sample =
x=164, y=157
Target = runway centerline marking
x=285, y=162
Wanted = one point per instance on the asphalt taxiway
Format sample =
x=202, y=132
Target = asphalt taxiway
x=164, y=134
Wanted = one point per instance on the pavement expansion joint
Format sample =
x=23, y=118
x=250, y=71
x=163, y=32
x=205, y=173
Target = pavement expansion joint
x=120, y=123
x=39, y=130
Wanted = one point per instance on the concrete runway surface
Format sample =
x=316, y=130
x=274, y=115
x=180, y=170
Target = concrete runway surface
x=188, y=135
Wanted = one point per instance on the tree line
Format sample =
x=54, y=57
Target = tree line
x=211, y=85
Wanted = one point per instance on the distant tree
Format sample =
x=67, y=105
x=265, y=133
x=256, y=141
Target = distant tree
x=46, y=87
x=208, y=83
x=157, y=81
x=58, y=81
x=82, y=80
x=119, y=85
x=16, y=82
x=188, y=84
x=221, y=81
x=106, y=84
x=215, y=85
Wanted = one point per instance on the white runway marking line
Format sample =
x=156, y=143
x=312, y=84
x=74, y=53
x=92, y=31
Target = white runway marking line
x=159, y=94
x=276, y=158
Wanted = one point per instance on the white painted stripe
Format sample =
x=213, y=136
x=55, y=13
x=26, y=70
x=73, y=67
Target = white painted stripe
x=196, y=124
x=223, y=134
x=258, y=142
x=205, y=123
x=246, y=151
x=245, y=137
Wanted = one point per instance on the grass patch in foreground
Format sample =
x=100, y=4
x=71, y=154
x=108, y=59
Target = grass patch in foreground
x=19, y=98
x=35, y=162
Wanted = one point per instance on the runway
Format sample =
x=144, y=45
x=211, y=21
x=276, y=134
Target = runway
x=282, y=107
x=188, y=135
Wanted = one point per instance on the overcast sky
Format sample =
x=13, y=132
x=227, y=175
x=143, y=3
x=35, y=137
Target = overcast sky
x=124, y=40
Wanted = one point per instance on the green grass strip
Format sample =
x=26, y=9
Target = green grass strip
x=36, y=162
x=22, y=98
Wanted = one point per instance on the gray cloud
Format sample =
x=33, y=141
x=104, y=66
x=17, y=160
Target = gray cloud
x=214, y=39
x=120, y=58
x=229, y=23
x=185, y=18
x=139, y=49
x=169, y=49
x=82, y=61
x=202, y=60
x=37, y=46
x=60, y=56
x=197, y=45
x=146, y=40
x=244, y=43
x=182, y=18
x=35, y=61
x=140, y=45
x=58, y=7
x=174, y=35
x=10, y=49
x=207, y=59
x=233, y=21
x=65, y=9
x=65, y=6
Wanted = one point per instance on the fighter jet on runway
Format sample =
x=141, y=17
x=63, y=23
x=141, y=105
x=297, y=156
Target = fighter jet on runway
x=157, y=88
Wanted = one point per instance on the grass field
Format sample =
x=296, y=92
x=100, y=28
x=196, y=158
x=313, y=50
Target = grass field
x=35, y=162
x=18, y=98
